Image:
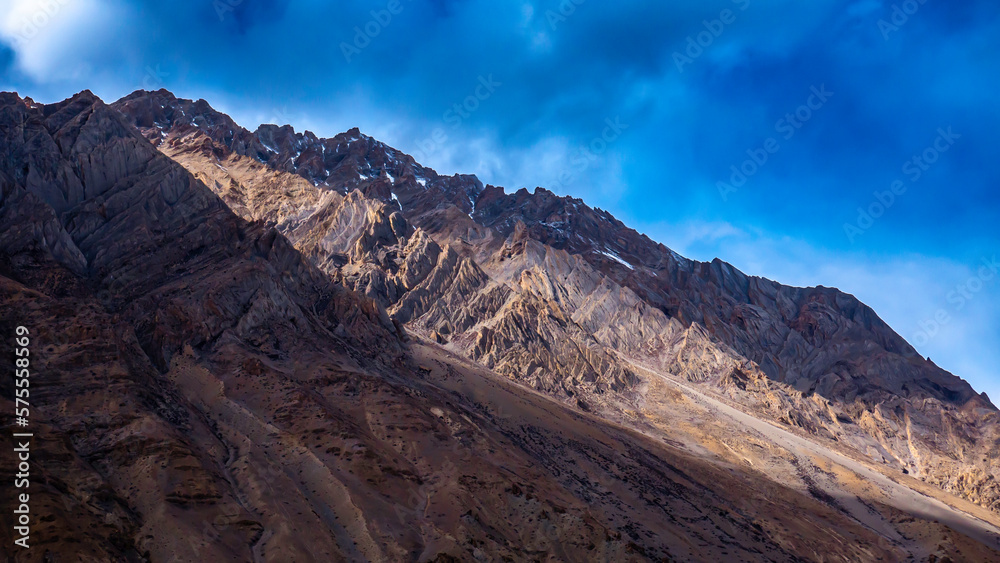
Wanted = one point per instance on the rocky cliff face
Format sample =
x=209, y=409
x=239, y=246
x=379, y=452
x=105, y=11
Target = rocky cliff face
x=567, y=299
x=268, y=346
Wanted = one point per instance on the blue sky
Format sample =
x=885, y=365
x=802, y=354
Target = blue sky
x=847, y=101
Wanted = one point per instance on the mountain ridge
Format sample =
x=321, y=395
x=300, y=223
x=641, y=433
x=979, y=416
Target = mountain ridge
x=488, y=201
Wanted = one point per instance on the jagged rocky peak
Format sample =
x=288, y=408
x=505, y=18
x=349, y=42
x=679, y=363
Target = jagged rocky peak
x=344, y=162
x=569, y=223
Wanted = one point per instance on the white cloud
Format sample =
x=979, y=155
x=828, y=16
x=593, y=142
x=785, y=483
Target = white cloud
x=46, y=36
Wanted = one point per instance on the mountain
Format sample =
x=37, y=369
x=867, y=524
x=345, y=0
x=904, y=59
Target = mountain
x=568, y=299
x=270, y=346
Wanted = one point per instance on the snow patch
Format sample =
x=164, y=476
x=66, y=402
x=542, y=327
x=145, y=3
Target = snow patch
x=680, y=259
x=617, y=258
